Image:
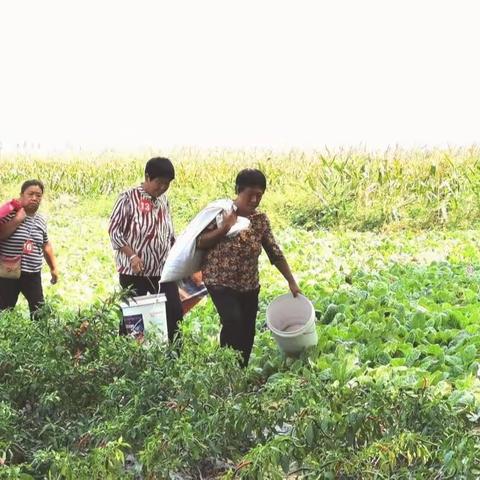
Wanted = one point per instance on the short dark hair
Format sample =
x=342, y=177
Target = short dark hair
x=159, y=167
x=250, y=177
x=32, y=183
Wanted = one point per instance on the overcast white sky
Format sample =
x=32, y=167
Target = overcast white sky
x=266, y=73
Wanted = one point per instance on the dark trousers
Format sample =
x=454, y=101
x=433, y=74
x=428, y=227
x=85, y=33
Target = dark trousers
x=29, y=284
x=238, y=313
x=143, y=285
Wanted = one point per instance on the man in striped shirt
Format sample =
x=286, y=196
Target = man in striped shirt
x=24, y=232
x=141, y=232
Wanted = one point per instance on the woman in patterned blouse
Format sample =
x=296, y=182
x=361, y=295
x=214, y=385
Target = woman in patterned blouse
x=141, y=232
x=230, y=264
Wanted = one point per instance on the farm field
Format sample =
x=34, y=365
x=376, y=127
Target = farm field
x=385, y=246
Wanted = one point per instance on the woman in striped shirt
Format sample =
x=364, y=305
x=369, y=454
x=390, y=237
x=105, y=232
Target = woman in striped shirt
x=24, y=233
x=141, y=232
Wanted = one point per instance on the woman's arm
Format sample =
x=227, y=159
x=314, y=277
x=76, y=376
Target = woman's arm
x=118, y=224
x=284, y=269
x=8, y=228
x=277, y=258
x=209, y=238
x=51, y=261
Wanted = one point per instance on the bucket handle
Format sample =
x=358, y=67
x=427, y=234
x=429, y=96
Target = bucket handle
x=131, y=300
x=148, y=293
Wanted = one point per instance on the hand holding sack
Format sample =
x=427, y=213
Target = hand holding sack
x=9, y=207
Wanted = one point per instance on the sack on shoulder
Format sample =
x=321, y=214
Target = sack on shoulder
x=10, y=267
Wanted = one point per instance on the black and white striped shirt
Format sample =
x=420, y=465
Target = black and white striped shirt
x=144, y=223
x=33, y=228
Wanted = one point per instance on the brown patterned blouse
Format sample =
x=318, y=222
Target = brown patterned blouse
x=233, y=262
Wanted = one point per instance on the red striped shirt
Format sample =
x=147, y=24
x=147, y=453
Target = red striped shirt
x=145, y=224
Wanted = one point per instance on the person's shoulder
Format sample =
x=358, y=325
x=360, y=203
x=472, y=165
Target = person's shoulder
x=259, y=216
x=40, y=221
x=41, y=218
x=132, y=192
x=260, y=221
x=164, y=198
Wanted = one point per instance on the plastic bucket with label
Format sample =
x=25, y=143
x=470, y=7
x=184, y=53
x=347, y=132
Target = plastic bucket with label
x=146, y=314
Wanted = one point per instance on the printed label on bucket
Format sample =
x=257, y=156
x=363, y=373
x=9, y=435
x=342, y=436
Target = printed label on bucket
x=134, y=325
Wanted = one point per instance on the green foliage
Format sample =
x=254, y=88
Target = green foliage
x=390, y=391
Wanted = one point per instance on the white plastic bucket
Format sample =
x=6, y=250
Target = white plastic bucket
x=146, y=314
x=292, y=323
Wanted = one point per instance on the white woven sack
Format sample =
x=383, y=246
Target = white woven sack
x=184, y=258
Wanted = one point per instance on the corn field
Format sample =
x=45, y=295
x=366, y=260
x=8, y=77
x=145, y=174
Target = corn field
x=309, y=190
